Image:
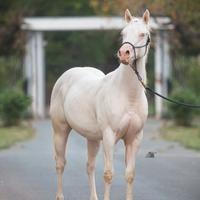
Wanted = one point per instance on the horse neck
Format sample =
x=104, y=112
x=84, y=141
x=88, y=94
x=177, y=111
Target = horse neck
x=126, y=80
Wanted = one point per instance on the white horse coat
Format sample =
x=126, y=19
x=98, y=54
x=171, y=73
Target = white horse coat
x=91, y=102
x=102, y=107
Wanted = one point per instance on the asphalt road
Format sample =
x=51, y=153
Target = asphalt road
x=27, y=170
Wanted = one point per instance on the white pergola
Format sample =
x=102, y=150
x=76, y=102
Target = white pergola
x=34, y=61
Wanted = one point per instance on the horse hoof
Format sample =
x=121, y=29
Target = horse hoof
x=59, y=197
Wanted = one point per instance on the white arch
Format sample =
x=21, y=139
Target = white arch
x=34, y=65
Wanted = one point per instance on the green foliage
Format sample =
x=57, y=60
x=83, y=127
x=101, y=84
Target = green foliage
x=189, y=137
x=10, y=71
x=11, y=135
x=13, y=104
x=185, y=16
x=12, y=38
x=187, y=71
x=57, y=8
x=182, y=115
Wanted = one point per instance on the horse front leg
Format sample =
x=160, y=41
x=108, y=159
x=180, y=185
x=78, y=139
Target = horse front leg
x=108, y=147
x=93, y=148
x=130, y=155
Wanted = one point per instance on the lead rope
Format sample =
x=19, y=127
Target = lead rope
x=134, y=67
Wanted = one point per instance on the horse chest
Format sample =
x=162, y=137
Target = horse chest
x=120, y=114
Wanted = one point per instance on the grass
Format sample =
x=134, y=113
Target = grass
x=11, y=135
x=189, y=137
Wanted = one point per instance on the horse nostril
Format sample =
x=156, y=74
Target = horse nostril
x=128, y=52
x=119, y=52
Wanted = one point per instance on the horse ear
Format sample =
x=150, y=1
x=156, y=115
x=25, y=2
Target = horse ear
x=146, y=16
x=128, y=17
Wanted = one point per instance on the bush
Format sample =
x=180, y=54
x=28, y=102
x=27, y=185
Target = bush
x=13, y=105
x=186, y=73
x=181, y=114
x=10, y=71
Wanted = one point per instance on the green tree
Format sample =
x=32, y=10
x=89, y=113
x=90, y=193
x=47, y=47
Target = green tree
x=185, y=16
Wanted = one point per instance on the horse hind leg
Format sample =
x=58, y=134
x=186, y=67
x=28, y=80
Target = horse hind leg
x=61, y=132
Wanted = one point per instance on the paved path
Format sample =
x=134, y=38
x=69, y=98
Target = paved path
x=27, y=170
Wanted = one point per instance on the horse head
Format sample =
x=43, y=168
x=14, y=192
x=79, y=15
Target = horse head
x=135, y=38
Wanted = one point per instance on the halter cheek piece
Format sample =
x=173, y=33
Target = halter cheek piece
x=134, y=64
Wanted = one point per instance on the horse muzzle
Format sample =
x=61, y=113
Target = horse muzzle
x=125, y=54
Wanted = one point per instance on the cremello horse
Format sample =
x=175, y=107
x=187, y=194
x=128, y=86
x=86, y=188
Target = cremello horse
x=104, y=108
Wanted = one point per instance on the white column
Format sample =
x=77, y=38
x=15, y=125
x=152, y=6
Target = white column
x=158, y=74
x=40, y=73
x=35, y=73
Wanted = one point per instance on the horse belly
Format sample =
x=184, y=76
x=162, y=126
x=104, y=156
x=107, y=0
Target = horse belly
x=82, y=123
x=79, y=109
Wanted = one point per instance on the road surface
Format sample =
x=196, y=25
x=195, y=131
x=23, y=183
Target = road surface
x=27, y=170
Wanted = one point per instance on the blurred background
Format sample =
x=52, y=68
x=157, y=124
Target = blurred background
x=27, y=169
x=96, y=48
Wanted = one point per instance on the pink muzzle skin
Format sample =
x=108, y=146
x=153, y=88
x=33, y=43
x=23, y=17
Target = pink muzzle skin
x=124, y=53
